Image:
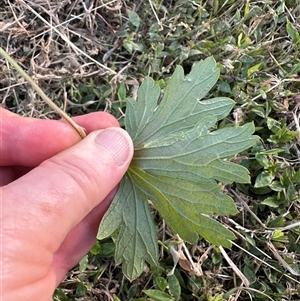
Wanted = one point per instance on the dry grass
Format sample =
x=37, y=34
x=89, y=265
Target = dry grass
x=59, y=43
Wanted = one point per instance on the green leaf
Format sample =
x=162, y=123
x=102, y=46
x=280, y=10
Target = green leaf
x=253, y=69
x=293, y=32
x=265, y=178
x=271, y=202
x=262, y=160
x=180, y=158
x=158, y=295
x=122, y=91
x=59, y=295
x=115, y=298
x=283, y=135
x=83, y=263
x=137, y=238
x=161, y=283
x=174, y=287
x=134, y=18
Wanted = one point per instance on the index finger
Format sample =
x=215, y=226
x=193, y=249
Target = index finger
x=29, y=141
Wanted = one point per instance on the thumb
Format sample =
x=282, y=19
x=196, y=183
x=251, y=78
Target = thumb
x=55, y=196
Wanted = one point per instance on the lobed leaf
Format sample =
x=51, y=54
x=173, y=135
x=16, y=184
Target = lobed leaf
x=179, y=159
x=137, y=240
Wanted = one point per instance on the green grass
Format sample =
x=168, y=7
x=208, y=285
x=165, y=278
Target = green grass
x=256, y=45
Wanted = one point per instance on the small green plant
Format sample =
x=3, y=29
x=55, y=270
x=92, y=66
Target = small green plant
x=178, y=163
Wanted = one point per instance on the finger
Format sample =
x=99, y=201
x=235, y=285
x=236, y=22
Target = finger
x=95, y=121
x=30, y=141
x=54, y=197
x=80, y=240
x=43, y=207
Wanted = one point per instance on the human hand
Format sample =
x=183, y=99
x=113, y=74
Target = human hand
x=55, y=190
